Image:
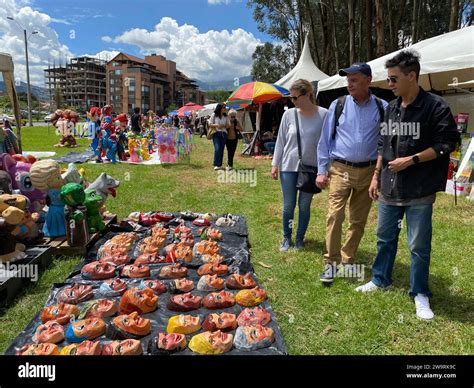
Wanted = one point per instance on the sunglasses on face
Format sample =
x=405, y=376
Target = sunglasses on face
x=393, y=80
x=293, y=98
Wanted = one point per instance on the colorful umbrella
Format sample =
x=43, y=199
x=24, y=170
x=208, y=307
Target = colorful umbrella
x=189, y=107
x=256, y=93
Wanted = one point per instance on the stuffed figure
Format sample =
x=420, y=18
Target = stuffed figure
x=46, y=176
x=93, y=128
x=109, y=138
x=77, y=230
x=65, y=122
x=10, y=217
x=121, y=129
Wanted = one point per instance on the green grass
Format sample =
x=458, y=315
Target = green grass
x=314, y=319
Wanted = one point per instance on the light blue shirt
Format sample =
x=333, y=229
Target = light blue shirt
x=356, y=135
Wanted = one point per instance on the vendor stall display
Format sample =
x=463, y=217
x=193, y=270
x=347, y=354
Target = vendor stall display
x=121, y=296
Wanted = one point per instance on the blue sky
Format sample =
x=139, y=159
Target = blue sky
x=208, y=41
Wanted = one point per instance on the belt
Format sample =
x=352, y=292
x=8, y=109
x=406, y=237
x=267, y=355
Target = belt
x=358, y=164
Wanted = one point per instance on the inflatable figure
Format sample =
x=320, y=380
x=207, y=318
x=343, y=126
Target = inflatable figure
x=46, y=176
x=209, y=342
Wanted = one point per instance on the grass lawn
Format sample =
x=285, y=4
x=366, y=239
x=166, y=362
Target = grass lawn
x=314, y=319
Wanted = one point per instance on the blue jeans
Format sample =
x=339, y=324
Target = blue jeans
x=419, y=232
x=270, y=147
x=219, y=139
x=288, y=185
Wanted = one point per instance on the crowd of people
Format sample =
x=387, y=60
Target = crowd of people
x=359, y=164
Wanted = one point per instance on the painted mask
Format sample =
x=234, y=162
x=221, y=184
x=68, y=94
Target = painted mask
x=183, y=324
x=116, y=259
x=129, y=326
x=39, y=350
x=251, y=298
x=152, y=244
x=100, y=308
x=211, y=342
x=211, y=234
x=85, y=348
x=253, y=337
x=136, y=271
x=75, y=294
x=49, y=332
x=219, y=300
x=149, y=258
x=86, y=329
x=61, y=313
x=184, y=302
x=210, y=283
x=222, y=321
x=206, y=247
x=212, y=259
x=181, y=286
x=179, y=251
x=157, y=286
x=98, y=271
x=140, y=300
x=174, y=271
x=239, y=282
x=128, y=347
x=254, y=316
x=212, y=269
x=171, y=342
x=113, y=287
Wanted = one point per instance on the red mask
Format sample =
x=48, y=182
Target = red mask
x=254, y=316
x=49, y=332
x=185, y=302
x=155, y=285
x=223, y=321
x=100, y=308
x=181, y=286
x=140, y=300
x=171, y=342
x=133, y=324
x=212, y=269
x=117, y=285
x=128, y=347
x=62, y=313
x=75, y=294
x=174, y=271
x=149, y=258
x=136, y=271
x=39, y=350
x=98, y=271
x=206, y=247
x=152, y=244
x=117, y=259
x=210, y=283
x=239, y=282
x=219, y=300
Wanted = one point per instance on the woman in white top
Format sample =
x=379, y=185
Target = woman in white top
x=220, y=122
x=285, y=157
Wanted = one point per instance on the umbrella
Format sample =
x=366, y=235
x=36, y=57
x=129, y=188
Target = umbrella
x=189, y=107
x=256, y=93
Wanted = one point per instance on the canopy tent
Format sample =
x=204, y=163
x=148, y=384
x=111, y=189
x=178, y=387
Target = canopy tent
x=207, y=110
x=6, y=67
x=447, y=61
x=188, y=108
x=304, y=69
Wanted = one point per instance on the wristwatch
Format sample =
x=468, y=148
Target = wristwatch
x=416, y=159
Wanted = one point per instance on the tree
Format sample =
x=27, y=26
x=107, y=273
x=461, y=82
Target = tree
x=453, y=20
x=270, y=63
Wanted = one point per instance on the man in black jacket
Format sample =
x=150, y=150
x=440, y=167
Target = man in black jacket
x=416, y=138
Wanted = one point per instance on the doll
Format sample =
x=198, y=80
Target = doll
x=93, y=128
x=109, y=138
x=10, y=217
x=46, y=176
x=65, y=122
x=121, y=129
x=72, y=194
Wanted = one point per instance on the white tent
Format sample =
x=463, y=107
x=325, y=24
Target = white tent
x=446, y=61
x=304, y=69
x=6, y=68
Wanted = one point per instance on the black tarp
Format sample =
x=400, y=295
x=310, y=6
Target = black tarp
x=234, y=248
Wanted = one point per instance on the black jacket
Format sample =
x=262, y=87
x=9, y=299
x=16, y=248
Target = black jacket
x=437, y=129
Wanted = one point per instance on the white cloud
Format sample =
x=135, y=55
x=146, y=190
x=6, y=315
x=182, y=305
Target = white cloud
x=106, y=55
x=106, y=39
x=213, y=55
x=218, y=2
x=42, y=47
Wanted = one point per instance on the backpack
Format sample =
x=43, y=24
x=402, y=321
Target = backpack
x=340, y=106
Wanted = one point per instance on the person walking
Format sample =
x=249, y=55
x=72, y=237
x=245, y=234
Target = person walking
x=308, y=118
x=234, y=131
x=347, y=153
x=136, y=121
x=412, y=167
x=220, y=123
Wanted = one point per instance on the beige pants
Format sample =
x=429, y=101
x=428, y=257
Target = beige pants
x=347, y=184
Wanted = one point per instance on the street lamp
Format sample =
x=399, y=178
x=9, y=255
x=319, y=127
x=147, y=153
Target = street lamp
x=30, y=120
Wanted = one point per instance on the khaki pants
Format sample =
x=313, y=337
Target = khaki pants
x=347, y=184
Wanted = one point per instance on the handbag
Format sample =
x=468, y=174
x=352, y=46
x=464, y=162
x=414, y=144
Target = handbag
x=306, y=180
x=211, y=131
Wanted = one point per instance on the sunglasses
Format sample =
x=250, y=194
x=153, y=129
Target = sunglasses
x=293, y=98
x=393, y=80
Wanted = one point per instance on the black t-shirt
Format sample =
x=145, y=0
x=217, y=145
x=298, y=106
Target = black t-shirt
x=135, y=122
x=176, y=121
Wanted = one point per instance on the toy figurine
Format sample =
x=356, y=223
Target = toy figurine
x=5, y=183
x=27, y=231
x=93, y=202
x=10, y=217
x=46, y=176
x=103, y=186
x=65, y=122
x=93, y=128
x=77, y=231
x=134, y=148
x=19, y=172
x=109, y=138
x=121, y=130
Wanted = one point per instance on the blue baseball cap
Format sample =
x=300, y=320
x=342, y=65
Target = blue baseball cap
x=358, y=67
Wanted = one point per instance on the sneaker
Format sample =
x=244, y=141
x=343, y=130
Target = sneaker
x=229, y=168
x=285, y=244
x=423, y=310
x=328, y=274
x=367, y=287
x=299, y=244
x=217, y=168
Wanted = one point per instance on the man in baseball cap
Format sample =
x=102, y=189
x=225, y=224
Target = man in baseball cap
x=347, y=154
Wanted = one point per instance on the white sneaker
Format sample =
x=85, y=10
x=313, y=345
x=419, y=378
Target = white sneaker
x=423, y=310
x=367, y=287
x=217, y=168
